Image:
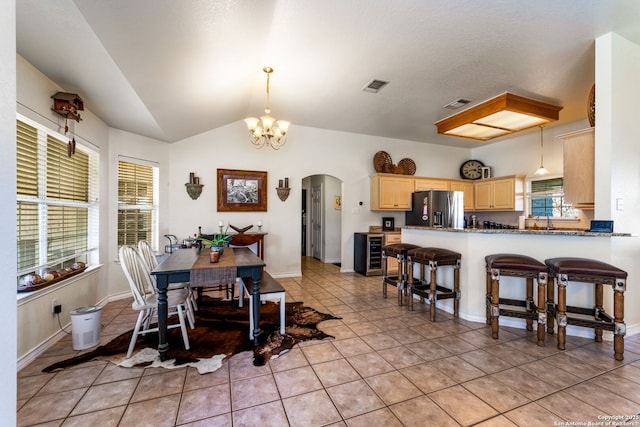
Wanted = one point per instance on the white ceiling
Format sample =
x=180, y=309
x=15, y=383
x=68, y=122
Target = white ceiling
x=170, y=69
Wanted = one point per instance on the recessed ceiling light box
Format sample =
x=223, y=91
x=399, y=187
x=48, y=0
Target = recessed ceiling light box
x=499, y=116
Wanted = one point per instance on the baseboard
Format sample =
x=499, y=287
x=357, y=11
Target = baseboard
x=49, y=342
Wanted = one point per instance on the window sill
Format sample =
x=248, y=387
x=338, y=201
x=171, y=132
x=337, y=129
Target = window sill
x=24, y=297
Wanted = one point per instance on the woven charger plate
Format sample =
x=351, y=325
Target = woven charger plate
x=382, y=161
x=408, y=166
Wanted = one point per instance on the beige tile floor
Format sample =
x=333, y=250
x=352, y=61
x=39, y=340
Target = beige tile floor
x=386, y=367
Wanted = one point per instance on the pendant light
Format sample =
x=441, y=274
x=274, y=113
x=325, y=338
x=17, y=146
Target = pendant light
x=541, y=170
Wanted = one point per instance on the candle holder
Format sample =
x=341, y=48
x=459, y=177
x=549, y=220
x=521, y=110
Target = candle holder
x=283, y=189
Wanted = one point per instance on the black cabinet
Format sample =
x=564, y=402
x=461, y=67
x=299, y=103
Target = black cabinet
x=367, y=253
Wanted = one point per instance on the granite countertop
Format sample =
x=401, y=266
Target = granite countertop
x=526, y=231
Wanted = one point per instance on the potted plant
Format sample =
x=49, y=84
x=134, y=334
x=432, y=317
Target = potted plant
x=216, y=241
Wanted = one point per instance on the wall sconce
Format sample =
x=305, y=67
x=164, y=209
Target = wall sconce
x=498, y=116
x=283, y=190
x=194, y=188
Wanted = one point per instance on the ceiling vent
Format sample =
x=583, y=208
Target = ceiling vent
x=374, y=86
x=454, y=105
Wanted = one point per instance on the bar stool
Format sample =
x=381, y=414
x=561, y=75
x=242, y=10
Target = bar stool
x=513, y=265
x=565, y=270
x=398, y=251
x=434, y=258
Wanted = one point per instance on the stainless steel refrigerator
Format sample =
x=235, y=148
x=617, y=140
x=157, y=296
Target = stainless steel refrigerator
x=436, y=208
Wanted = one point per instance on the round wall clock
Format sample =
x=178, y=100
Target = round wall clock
x=471, y=169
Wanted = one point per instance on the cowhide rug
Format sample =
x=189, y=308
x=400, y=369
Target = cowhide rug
x=222, y=330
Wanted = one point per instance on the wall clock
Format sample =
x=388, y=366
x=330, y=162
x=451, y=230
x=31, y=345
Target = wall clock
x=471, y=169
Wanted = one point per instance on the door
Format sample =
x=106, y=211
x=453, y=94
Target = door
x=316, y=222
x=303, y=213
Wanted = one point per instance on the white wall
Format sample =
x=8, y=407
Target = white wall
x=309, y=151
x=8, y=260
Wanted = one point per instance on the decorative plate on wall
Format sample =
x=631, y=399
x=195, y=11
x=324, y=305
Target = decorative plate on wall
x=591, y=106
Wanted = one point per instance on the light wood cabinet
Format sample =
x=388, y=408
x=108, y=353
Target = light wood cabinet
x=578, y=149
x=468, y=189
x=420, y=184
x=500, y=194
x=391, y=192
x=392, y=263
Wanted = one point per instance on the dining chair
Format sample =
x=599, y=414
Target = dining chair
x=151, y=261
x=145, y=301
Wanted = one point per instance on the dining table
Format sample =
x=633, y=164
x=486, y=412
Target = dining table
x=193, y=265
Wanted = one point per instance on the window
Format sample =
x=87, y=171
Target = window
x=137, y=202
x=57, y=201
x=546, y=199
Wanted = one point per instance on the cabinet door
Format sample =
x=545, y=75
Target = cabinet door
x=392, y=263
x=430, y=184
x=503, y=194
x=391, y=193
x=483, y=195
x=468, y=190
x=578, y=150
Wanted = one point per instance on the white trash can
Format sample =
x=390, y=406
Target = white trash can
x=85, y=327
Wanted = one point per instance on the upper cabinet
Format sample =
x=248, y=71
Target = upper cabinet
x=578, y=150
x=500, y=194
x=467, y=188
x=421, y=184
x=391, y=192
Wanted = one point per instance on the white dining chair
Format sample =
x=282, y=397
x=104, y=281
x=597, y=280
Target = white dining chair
x=145, y=301
x=151, y=261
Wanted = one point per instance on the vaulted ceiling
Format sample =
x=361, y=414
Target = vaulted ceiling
x=171, y=69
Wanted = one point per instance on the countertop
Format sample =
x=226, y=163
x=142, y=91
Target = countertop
x=526, y=231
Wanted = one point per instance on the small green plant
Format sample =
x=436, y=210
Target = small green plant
x=218, y=239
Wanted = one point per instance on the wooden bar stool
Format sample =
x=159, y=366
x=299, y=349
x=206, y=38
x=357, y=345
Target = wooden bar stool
x=565, y=270
x=514, y=265
x=434, y=258
x=398, y=251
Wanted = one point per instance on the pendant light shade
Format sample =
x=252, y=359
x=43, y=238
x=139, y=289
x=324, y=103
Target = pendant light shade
x=541, y=170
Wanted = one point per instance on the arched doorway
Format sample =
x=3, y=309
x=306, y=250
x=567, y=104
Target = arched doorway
x=322, y=218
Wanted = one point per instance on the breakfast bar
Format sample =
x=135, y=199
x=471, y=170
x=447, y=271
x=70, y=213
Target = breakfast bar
x=475, y=244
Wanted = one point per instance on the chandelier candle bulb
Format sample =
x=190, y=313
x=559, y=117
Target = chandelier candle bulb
x=279, y=183
x=191, y=177
x=286, y=183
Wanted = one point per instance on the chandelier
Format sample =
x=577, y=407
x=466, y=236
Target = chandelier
x=267, y=130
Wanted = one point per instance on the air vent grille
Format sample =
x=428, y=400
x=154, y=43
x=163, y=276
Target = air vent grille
x=454, y=105
x=374, y=86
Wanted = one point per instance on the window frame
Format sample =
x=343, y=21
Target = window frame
x=564, y=206
x=154, y=207
x=43, y=261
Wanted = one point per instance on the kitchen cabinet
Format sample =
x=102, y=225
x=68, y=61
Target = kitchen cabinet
x=500, y=194
x=467, y=188
x=392, y=263
x=391, y=192
x=578, y=150
x=420, y=184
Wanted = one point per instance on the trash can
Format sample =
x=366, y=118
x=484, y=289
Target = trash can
x=85, y=327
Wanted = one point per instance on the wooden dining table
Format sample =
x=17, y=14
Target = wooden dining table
x=192, y=265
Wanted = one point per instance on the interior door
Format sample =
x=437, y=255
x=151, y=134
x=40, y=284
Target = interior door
x=303, y=243
x=316, y=222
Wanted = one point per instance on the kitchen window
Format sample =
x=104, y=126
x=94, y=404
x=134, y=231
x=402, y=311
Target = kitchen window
x=56, y=201
x=546, y=199
x=137, y=201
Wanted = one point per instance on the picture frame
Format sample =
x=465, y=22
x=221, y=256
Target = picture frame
x=242, y=191
x=388, y=224
x=337, y=202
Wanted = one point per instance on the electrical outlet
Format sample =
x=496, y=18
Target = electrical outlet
x=56, y=307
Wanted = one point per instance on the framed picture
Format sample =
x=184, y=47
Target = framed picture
x=337, y=202
x=388, y=224
x=242, y=191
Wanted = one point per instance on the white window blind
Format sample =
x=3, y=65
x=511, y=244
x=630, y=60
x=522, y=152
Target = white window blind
x=57, y=203
x=137, y=202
